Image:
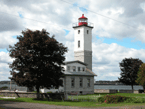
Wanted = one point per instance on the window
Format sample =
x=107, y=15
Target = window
x=81, y=82
x=87, y=31
x=78, y=68
x=83, y=69
x=88, y=82
x=72, y=82
x=78, y=44
x=74, y=68
x=78, y=31
x=68, y=68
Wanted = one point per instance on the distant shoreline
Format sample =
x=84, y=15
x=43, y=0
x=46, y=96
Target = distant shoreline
x=108, y=84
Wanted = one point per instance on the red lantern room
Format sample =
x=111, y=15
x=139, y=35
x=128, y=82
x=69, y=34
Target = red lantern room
x=83, y=21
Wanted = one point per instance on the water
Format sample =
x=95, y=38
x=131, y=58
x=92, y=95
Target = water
x=13, y=87
x=117, y=87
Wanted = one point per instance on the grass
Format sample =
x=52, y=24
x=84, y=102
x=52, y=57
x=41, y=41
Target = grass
x=90, y=100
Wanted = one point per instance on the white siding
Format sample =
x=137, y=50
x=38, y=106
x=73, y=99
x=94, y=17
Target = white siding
x=84, y=38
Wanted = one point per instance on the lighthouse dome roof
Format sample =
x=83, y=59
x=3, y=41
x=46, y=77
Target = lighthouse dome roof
x=83, y=17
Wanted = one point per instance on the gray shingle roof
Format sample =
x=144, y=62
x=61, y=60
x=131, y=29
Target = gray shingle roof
x=68, y=62
x=78, y=73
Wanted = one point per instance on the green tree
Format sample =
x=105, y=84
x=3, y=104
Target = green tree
x=38, y=60
x=129, y=68
x=141, y=76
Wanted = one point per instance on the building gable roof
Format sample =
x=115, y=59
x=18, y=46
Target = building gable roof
x=81, y=73
x=90, y=72
x=77, y=61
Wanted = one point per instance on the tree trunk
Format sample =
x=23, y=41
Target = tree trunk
x=144, y=88
x=38, y=94
x=132, y=88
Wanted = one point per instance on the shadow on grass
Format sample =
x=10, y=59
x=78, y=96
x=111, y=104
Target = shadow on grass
x=103, y=93
x=12, y=100
x=54, y=100
x=34, y=99
x=9, y=107
x=4, y=104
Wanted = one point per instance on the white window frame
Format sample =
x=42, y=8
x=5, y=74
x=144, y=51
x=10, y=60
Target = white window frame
x=79, y=69
x=81, y=82
x=83, y=69
x=68, y=68
x=73, y=82
x=79, y=42
x=88, y=82
x=74, y=68
x=87, y=31
x=79, y=31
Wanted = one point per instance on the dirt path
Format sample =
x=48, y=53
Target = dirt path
x=25, y=105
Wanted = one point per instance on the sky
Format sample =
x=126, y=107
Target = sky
x=118, y=33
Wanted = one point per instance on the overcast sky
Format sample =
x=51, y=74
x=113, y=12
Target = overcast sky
x=112, y=40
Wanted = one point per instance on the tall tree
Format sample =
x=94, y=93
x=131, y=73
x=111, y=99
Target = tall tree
x=38, y=60
x=129, y=68
x=141, y=76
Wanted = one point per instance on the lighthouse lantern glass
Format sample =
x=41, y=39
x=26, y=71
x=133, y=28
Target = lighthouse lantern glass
x=82, y=20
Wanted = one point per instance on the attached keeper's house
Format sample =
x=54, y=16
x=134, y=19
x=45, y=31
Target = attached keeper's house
x=78, y=78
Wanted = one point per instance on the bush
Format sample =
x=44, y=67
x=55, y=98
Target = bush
x=101, y=99
x=4, y=88
x=36, y=91
x=112, y=99
x=136, y=100
x=49, y=92
x=140, y=90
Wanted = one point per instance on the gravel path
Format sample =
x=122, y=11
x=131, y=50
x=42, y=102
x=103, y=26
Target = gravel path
x=25, y=105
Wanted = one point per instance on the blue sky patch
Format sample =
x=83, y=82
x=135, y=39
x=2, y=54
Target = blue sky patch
x=66, y=31
x=20, y=15
x=4, y=50
x=126, y=42
x=75, y=4
x=14, y=37
x=83, y=9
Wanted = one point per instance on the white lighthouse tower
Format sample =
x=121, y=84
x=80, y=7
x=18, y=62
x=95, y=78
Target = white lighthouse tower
x=83, y=41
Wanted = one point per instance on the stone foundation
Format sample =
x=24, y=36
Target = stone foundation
x=113, y=91
x=105, y=91
x=79, y=92
x=101, y=90
x=125, y=91
x=33, y=95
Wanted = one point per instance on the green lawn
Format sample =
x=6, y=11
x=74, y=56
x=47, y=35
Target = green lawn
x=88, y=100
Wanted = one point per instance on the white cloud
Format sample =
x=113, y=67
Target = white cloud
x=55, y=16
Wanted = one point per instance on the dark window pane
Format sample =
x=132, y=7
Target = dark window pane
x=78, y=44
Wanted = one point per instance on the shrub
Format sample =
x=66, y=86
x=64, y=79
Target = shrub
x=101, y=99
x=36, y=92
x=137, y=100
x=112, y=99
x=49, y=92
x=115, y=98
x=4, y=88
